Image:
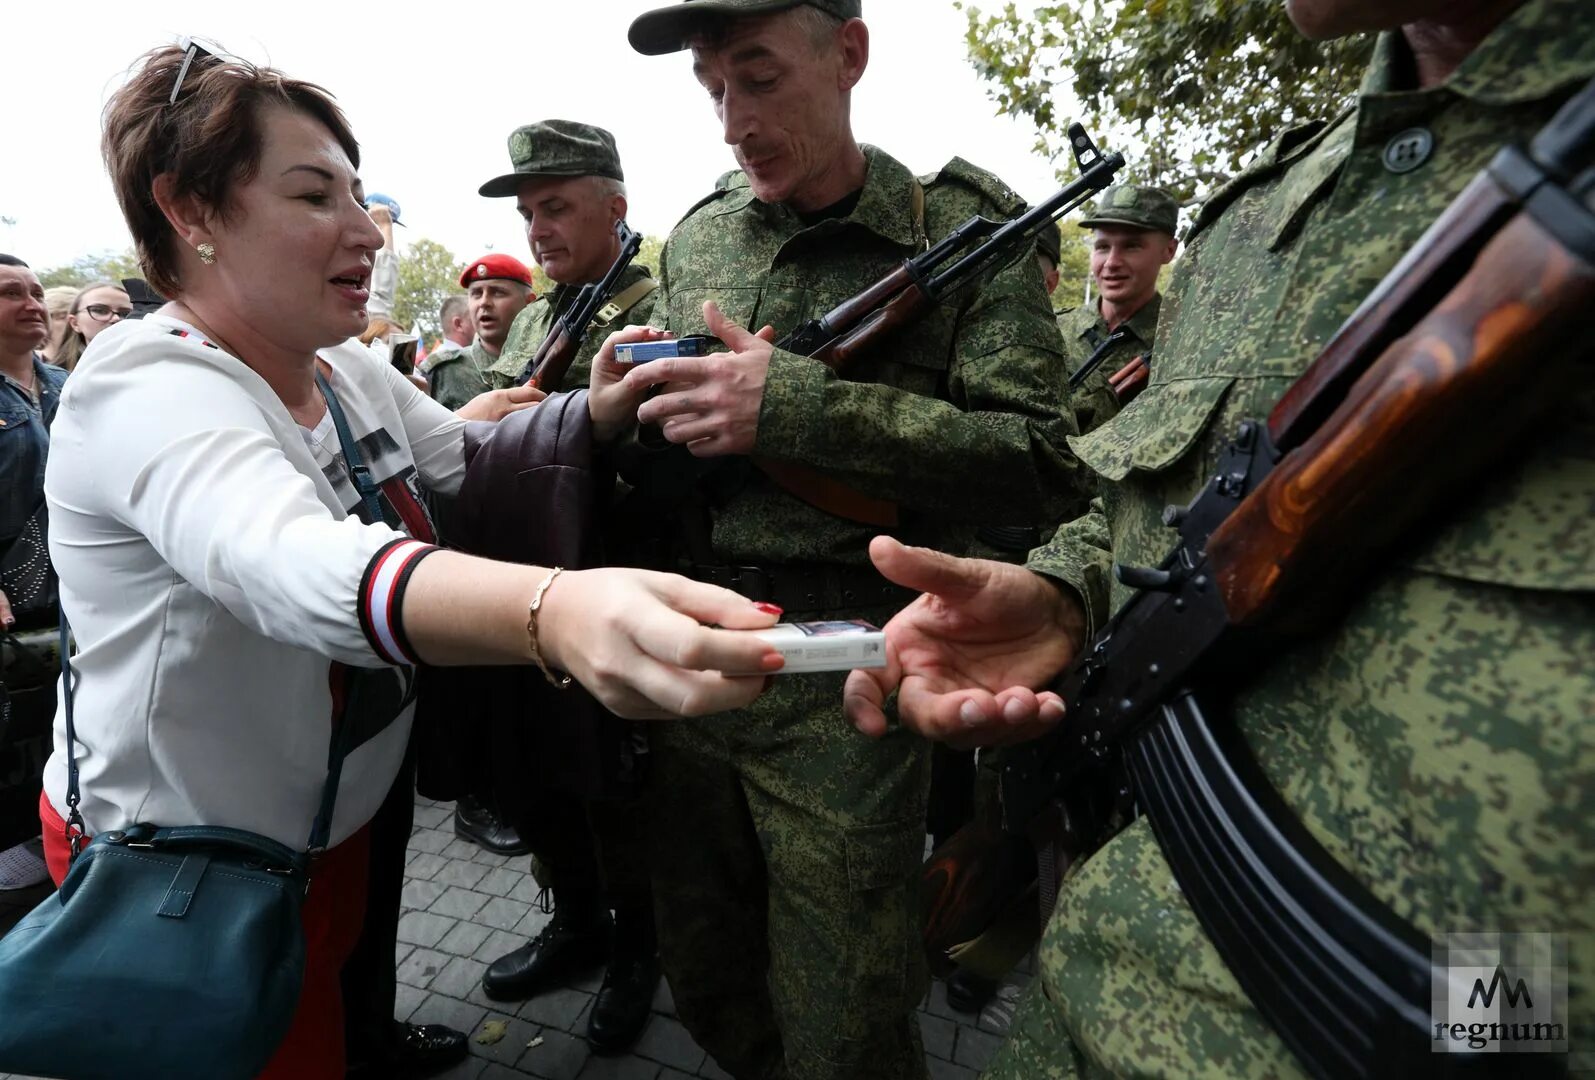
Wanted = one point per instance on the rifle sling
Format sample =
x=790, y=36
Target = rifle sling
x=829, y=494
x=624, y=301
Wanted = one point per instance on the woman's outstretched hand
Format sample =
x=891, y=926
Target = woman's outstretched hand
x=637, y=640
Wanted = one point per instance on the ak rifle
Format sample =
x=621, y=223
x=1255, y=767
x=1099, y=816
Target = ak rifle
x=1430, y=388
x=858, y=325
x=546, y=370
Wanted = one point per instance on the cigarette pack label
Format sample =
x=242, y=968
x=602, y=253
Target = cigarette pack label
x=834, y=645
x=640, y=352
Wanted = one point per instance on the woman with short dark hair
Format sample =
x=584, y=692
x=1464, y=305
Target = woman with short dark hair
x=224, y=595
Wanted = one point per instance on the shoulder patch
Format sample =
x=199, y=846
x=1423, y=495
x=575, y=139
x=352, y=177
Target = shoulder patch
x=1273, y=157
x=959, y=171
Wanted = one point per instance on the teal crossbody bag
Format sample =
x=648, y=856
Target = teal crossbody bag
x=167, y=953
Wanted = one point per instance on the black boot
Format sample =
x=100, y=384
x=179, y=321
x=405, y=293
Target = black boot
x=574, y=942
x=477, y=822
x=968, y=992
x=408, y=1052
x=620, y=1011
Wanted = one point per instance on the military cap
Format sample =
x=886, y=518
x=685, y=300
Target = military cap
x=1138, y=207
x=668, y=29
x=507, y=267
x=1050, y=243
x=556, y=148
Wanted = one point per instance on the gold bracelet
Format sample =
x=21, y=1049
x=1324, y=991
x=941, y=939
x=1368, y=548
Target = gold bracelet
x=562, y=682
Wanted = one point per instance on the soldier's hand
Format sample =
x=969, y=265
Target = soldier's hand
x=7, y=620
x=710, y=403
x=967, y=656
x=612, y=401
x=497, y=404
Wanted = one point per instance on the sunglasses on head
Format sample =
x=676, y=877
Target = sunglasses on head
x=192, y=50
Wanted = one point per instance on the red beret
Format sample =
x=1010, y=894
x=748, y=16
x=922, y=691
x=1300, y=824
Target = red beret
x=496, y=266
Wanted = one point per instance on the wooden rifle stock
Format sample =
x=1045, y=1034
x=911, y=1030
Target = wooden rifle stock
x=856, y=310
x=1408, y=292
x=859, y=323
x=1440, y=403
x=553, y=358
x=1130, y=379
x=1424, y=390
x=905, y=307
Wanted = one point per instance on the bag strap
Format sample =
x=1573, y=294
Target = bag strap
x=74, y=819
x=370, y=511
x=371, y=504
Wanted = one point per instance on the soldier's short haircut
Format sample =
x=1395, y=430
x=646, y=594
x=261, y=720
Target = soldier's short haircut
x=12, y=260
x=607, y=186
x=455, y=306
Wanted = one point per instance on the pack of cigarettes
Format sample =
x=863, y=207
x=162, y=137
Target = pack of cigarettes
x=640, y=352
x=837, y=645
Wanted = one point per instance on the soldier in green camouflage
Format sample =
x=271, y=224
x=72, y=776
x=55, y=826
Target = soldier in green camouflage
x=787, y=846
x=1438, y=741
x=570, y=190
x=1132, y=238
x=498, y=288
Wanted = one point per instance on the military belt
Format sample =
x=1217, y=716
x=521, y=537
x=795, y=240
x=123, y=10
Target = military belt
x=806, y=586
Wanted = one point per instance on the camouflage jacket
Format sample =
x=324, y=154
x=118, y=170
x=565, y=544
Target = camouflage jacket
x=459, y=376
x=959, y=419
x=1084, y=329
x=1438, y=741
x=536, y=319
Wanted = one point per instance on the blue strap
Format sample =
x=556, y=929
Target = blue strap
x=370, y=511
x=74, y=820
x=184, y=885
x=371, y=503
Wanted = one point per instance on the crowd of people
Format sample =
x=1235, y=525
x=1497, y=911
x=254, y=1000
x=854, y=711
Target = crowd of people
x=272, y=529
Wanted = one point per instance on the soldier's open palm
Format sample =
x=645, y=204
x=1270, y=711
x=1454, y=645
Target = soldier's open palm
x=968, y=656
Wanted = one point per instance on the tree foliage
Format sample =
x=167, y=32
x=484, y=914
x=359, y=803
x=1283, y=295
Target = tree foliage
x=106, y=266
x=428, y=274
x=1185, y=89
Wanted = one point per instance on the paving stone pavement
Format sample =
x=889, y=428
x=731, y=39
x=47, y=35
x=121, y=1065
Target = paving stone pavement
x=464, y=907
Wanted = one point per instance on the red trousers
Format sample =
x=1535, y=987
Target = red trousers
x=333, y=913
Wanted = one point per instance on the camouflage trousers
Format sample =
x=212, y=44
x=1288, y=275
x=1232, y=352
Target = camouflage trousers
x=1129, y=984
x=785, y=850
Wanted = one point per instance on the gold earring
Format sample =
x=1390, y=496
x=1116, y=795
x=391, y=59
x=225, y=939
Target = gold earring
x=207, y=253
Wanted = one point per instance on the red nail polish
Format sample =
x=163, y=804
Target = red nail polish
x=770, y=609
